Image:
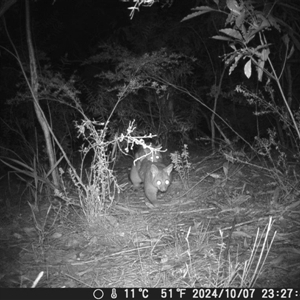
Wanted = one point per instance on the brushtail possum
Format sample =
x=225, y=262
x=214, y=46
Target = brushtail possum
x=150, y=170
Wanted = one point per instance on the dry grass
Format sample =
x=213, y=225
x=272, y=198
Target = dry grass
x=221, y=233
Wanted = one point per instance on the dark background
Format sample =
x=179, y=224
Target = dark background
x=67, y=35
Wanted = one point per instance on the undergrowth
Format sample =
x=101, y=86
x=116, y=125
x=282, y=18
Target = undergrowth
x=97, y=186
x=182, y=165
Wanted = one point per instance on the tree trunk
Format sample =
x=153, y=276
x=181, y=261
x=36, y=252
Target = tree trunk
x=34, y=90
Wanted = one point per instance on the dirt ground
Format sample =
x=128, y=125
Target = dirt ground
x=187, y=241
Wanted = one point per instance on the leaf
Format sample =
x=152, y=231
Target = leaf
x=260, y=69
x=240, y=20
x=233, y=33
x=265, y=54
x=232, y=46
x=291, y=52
x=201, y=10
x=286, y=40
x=248, y=69
x=222, y=38
x=234, y=7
